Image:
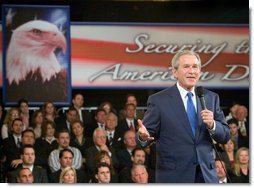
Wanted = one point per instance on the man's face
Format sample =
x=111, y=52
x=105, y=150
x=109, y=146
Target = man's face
x=140, y=175
x=72, y=115
x=101, y=117
x=17, y=127
x=139, y=157
x=111, y=122
x=188, y=71
x=103, y=175
x=100, y=138
x=220, y=171
x=64, y=140
x=28, y=138
x=28, y=156
x=66, y=159
x=233, y=128
x=132, y=100
x=130, y=140
x=78, y=101
x=25, y=176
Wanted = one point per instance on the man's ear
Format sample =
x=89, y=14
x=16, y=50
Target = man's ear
x=174, y=72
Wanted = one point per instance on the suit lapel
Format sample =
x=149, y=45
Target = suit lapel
x=180, y=112
x=200, y=121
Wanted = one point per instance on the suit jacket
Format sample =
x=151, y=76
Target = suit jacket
x=117, y=141
x=124, y=159
x=11, y=151
x=39, y=174
x=123, y=126
x=177, y=152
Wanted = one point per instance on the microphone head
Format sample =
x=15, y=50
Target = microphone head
x=200, y=91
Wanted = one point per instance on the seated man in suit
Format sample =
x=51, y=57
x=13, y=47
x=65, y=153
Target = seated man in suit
x=63, y=140
x=138, y=157
x=124, y=155
x=25, y=176
x=114, y=137
x=139, y=174
x=28, y=158
x=66, y=159
x=102, y=173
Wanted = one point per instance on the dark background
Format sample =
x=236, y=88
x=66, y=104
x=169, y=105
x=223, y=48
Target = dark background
x=174, y=11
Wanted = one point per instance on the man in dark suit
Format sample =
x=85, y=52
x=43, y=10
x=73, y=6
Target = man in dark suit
x=129, y=123
x=184, y=144
x=66, y=159
x=28, y=158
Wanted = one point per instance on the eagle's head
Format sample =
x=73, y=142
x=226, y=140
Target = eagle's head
x=31, y=49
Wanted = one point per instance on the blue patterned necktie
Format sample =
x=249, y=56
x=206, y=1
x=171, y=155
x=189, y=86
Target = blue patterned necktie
x=191, y=112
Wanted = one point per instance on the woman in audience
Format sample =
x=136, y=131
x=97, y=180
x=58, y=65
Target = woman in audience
x=241, y=167
x=107, y=106
x=228, y=155
x=12, y=114
x=37, y=121
x=46, y=143
x=78, y=139
x=49, y=111
x=68, y=175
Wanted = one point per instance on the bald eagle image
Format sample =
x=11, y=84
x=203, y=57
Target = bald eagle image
x=33, y=71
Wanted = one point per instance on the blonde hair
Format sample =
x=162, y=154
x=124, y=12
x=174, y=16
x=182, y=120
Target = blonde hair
x=64, y=171
x=237, y=165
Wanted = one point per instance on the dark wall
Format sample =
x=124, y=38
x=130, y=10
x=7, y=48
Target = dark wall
x=217, y=12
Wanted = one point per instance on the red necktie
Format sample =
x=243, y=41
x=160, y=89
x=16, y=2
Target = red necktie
x=132, y=127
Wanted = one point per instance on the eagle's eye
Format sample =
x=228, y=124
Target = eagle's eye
x=37, y=31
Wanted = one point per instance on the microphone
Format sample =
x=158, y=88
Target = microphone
x=200, y=94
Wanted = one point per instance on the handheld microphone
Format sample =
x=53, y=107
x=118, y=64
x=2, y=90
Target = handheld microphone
x=200, y=94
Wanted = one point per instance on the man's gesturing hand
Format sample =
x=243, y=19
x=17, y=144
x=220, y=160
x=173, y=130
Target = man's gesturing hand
x=143, y=133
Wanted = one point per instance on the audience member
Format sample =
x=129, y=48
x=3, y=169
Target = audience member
x=78, y=139
x=232, y=112
x=222, y=171
x=63, y=140
x=68, y=175
x=124, y=155
x=28, y=158
x=131, y=99
x=138, y=157
x=37, y=121
x=103, y=156
x=129, y=123
x=12, y=146
x=12, y=113
x=99, y=139
x=228, y=154
x=139, y=174
x=99, y=121
x=78, y=102
x=114, y=136
x=49, y=111
x=241, y=167
x=46, y=143
x=107, y=106
x=24, y=112
x=25, y=176
x=243, y=123
x=66, y=159
x=241, y=141
x=102, y=173
x=65, y=123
